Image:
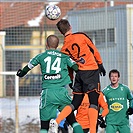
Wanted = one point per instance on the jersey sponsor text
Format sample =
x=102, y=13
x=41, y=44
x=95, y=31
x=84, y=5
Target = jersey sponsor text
x=116, y=106
x=51, y=77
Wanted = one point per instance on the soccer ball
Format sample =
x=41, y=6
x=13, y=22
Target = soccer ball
x=52, y=12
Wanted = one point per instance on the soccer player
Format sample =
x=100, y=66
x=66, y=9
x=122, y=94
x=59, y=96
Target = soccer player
x=82, y=50
x=82, y=112
x=55, y=77
x=117, y=95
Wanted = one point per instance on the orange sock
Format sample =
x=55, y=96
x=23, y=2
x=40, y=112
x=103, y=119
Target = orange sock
x=63, y=114
x=93, y=115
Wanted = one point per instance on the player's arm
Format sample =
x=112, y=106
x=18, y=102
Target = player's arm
x=72, y=66
x=130, y=98
x=97, y=56
x=71, y=70
x=94, y=50
x=75, y=67
x=23, y=72
x=32, y=63
x=103, y=104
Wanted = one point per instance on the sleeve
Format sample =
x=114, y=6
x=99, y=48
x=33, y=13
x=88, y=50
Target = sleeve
x=102, y=102
x=72, y=66
x=70, y=62
x=94, y=50
x=130, y=98
x=33, y=62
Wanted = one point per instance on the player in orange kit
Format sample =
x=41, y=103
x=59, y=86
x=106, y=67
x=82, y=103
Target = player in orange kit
x=82, y=50
x=82, y=112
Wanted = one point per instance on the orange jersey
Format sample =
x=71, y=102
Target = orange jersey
x=82, y=112
x=81, y=49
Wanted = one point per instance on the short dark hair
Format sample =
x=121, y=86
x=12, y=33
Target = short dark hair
x=63, y=25
x=114, y=71
x=52, y=41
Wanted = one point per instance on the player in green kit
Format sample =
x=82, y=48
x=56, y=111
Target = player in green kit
x=55, y=77
x=117, y=95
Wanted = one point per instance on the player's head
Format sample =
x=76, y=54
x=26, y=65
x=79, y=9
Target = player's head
x=114, y=76
x=64, y=26
x=52, y=42
x=114, y=71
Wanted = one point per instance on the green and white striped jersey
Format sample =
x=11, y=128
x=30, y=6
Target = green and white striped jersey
x=53, y=66
x=118, y=99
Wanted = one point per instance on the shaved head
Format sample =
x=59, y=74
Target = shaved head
x=52, y=41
